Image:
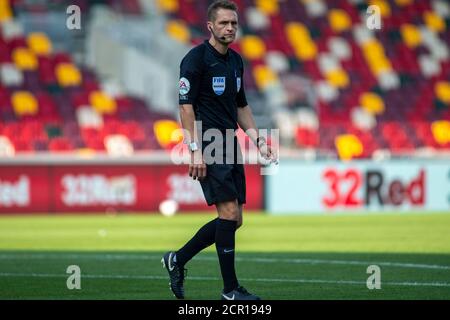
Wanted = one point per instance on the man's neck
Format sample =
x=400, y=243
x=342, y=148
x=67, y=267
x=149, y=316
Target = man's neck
x=221, y=48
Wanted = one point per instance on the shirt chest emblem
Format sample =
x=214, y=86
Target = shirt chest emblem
x=238, y=83
x=218, y=85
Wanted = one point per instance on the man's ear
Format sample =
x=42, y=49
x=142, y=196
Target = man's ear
x=209, y=26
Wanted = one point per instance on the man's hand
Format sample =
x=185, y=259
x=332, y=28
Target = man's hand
x=197, y=167
x=267, y=153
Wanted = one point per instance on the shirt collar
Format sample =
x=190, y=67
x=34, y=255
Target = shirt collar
x=217, y=53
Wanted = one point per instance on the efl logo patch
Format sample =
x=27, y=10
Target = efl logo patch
x=185, y=86
x=218, y=84
x=238, y=83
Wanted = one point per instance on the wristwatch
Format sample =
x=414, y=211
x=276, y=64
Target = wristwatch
x=193, y=146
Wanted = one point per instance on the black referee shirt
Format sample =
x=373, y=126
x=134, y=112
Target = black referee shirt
x=213, y=84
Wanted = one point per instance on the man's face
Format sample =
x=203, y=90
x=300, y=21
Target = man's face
x=225, y=26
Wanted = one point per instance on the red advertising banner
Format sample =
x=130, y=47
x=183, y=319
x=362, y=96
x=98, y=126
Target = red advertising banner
x=24, y=189
x=99, y=188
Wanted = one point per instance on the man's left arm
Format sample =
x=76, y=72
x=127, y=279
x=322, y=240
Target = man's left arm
x=247, y=123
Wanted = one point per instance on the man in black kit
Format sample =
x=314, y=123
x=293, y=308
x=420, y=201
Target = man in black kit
x=212, y=94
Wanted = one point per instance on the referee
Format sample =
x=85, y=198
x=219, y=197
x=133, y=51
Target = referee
x=212, y=94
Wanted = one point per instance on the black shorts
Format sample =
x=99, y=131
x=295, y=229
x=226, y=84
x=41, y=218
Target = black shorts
x=225, y=181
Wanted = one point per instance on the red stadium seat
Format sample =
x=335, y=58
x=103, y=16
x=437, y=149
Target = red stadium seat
x=307, y=138
x=60, y=144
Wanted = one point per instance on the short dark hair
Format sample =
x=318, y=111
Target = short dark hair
x=220, y=4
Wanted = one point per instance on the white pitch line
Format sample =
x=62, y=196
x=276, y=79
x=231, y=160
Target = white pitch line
x=353, y=262
x=148, y=277
x=108, y=257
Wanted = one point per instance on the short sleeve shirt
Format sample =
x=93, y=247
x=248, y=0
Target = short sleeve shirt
x=213, y=84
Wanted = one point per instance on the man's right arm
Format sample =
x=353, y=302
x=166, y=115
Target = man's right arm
x=197, y=167
x=190, y=79
x=187, y=117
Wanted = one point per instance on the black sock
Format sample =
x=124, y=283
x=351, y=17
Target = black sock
x=204, y=237
x=225, y=232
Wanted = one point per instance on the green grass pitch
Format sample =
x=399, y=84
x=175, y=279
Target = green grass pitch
x=278, y=257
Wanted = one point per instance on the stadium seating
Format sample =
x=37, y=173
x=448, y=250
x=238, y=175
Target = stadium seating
x=376, y=90
x=48, y=103
x=387, y=89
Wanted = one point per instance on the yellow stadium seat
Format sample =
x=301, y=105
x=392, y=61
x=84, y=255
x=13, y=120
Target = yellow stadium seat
x=168, y=6
x=297, y=34
x=264, y=76
x=165, y=133
x=348, y=146
x=269, y=7
x=253, y=47
x=403, y=3
x=442, y=91
x=39, y=43
x=86, y=152
x=411, y=35
x=434, y=21
x=441, y=131
x=378, y=66
x=102, y=103
x=385, y=9
x=5, y=11
x=300, y=39
x=373, y=49
x=178, y=31
x=339, y=20
x=376, y=58
x=24, y=59
x=67, y=75
x=338, y=78
x=372, y=103
x=307, y=51
x=24, y=103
